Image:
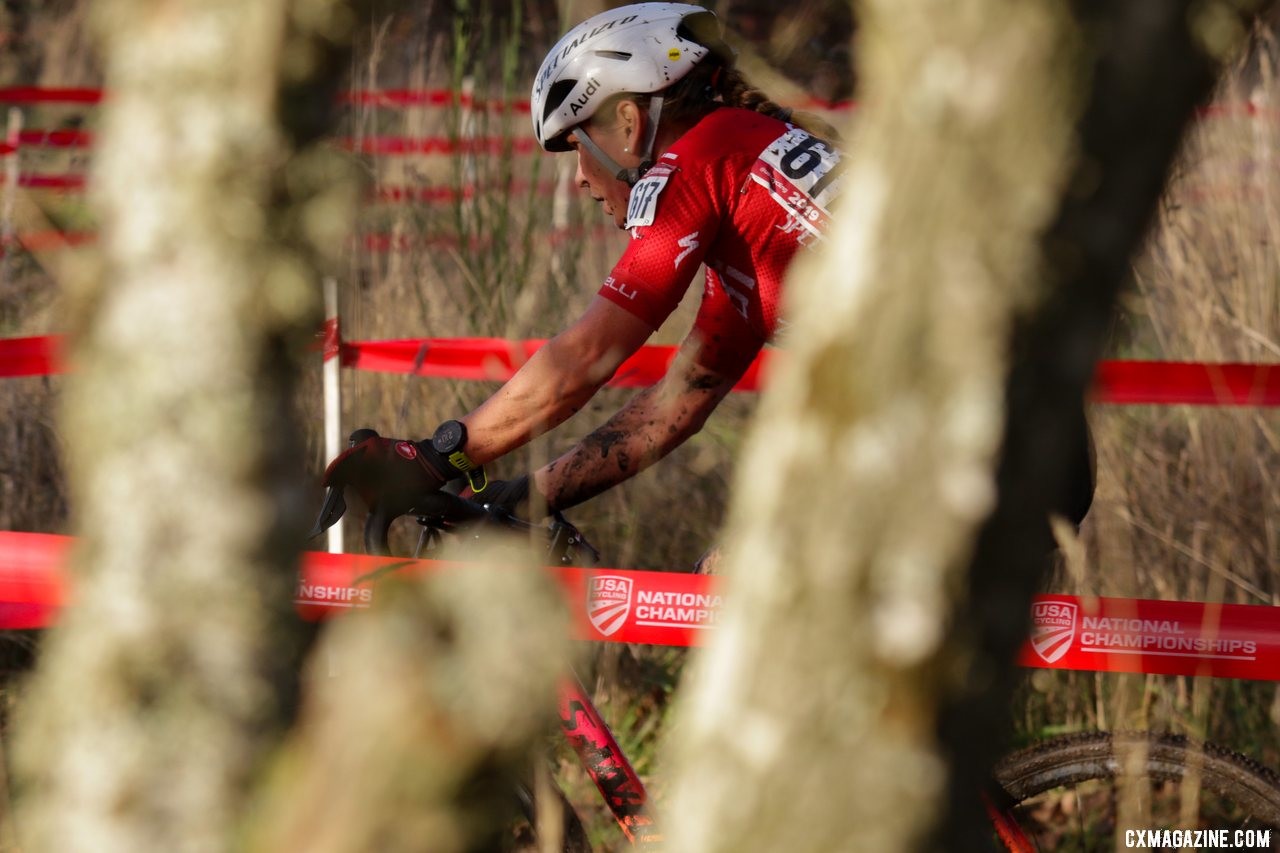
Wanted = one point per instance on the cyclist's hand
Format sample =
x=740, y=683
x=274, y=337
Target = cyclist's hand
x=388, y=474
x=510, y=495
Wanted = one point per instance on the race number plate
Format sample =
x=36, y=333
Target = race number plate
x=643, y=206
x=801, y=173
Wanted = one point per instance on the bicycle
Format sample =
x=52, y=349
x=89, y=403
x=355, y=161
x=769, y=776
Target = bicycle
x=443, y=513
x=1244, y=792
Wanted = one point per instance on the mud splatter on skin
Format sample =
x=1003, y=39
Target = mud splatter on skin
x=604, y=439
x=650, y=425
x=585, y=471
x=705, y=382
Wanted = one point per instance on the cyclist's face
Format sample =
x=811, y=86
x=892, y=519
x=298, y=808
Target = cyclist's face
x=598, y=180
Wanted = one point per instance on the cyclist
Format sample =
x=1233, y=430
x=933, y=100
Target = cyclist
x=701, y=169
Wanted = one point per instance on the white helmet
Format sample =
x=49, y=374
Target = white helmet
x=642, y=48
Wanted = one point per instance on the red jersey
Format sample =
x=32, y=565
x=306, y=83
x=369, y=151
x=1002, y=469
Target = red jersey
x=740, y=192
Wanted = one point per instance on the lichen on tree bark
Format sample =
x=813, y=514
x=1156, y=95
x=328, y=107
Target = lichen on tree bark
x=167, y=683
x=917, y=400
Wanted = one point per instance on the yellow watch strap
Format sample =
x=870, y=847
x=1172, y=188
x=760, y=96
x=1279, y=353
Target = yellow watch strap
x=460, y=461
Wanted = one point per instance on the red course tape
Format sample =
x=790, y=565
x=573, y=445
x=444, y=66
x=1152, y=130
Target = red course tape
x=402, y=98
x=679, y=609
x=30, y=356
x=496, y=360
x=1167, y=383
x=37, y=95
x=397, y=98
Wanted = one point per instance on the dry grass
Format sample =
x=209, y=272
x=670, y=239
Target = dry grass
x=1188, y=499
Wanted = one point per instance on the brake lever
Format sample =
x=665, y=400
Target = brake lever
x=566, y=535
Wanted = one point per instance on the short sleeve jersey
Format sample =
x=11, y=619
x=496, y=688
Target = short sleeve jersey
x=740, y=192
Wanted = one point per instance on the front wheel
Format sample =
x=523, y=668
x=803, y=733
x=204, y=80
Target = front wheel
x=1065, y=789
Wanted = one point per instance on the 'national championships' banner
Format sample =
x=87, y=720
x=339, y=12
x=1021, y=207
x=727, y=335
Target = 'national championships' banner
x=679, y=609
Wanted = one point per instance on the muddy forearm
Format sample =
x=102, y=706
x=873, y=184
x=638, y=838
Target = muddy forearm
x=651, y=425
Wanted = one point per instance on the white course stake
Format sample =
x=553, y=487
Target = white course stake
x=332, y=391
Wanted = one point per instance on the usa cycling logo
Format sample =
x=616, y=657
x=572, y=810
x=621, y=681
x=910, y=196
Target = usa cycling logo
x=1053, y=629
x=608, y=602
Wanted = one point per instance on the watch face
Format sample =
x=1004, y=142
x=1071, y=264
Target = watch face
x=448, y=437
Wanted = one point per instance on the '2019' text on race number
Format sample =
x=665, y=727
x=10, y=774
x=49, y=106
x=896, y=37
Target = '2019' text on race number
x=802, y=173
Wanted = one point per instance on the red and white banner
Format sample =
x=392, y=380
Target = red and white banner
x=613, y=605
x=1155, y=637
x=679, y=609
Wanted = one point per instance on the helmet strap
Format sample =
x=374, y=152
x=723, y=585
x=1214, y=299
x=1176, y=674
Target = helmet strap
x=631, y=176
x=650, y=135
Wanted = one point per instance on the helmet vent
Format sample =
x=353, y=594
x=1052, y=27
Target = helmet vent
x=555, y=96
x=686, y=32
x=620, y=55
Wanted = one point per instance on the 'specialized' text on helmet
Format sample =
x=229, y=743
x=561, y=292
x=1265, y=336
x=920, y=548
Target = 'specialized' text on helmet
x=642, y=48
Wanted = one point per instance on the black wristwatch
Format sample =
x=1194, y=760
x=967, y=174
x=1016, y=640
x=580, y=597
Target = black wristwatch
x=449, y=439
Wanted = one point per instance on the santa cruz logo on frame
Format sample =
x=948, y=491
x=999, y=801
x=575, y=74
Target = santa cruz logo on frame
x=608, y=602
x=1053, y=628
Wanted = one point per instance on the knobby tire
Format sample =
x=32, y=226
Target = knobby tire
x=1077, y=758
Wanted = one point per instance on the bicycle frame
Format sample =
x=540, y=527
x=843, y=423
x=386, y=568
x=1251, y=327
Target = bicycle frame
x=1006, y=827
x=588, y=734
x=606, y=764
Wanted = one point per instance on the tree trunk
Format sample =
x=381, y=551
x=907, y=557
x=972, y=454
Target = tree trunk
x=416, y=742
x=1006, y=160
x=169, y=680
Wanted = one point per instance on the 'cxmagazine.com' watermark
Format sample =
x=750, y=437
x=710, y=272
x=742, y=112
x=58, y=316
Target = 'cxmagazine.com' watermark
x=1197, y=839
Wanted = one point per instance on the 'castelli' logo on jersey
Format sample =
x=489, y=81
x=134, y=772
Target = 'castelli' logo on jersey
x=608, y=602
x=1053, y=628
x=407, y=449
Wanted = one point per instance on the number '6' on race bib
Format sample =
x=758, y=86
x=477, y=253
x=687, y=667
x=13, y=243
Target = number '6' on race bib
x=802, y=173
x=643, y=206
